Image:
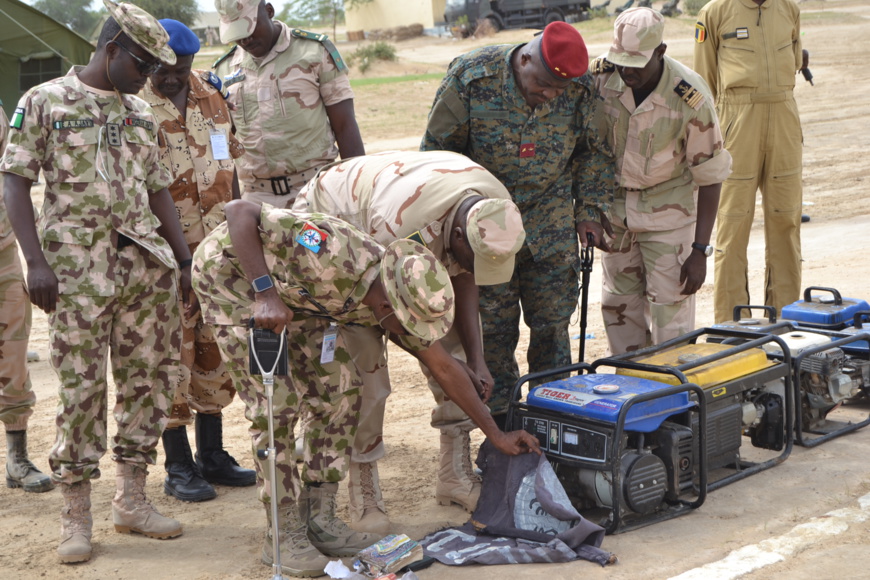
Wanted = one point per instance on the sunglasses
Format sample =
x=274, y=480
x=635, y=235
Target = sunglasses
x=143, y=67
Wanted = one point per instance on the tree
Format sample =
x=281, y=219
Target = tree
x=185, y=11
x=73, y=13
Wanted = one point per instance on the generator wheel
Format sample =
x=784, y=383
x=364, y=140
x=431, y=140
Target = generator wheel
x=553, y=15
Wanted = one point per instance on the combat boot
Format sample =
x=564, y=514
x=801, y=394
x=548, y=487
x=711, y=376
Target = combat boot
x=327, y=533
x=183, y=478
x=457, y=481
x=367, y=511
x=298, y=557
x=132, y=512
x=20, y=472
x=75, y=523
x=218, y=466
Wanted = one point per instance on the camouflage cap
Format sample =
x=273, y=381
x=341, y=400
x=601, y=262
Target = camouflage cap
x=238, y=18
x=636, y=34
x=142, y=28
x=495, y=232
x=419, y=289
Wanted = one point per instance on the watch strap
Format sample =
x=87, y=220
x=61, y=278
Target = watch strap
x=262, y=283
x=707, y=250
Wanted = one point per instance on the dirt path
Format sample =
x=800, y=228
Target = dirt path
x=223, y=537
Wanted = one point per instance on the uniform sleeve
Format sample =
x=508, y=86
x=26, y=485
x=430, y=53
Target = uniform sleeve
x=796, y=38
x=158, y=176
x=708, y=160
x=706, y=51
x=28, y=138
x=448, y=125
x=593, y=164
x=334, y=83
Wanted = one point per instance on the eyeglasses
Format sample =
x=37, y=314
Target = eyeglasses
x=145, y=68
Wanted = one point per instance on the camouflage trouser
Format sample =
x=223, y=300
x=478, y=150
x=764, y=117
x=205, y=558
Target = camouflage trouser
x=368, y=349
x=141, y=325
x=329, y=393
x=204, y=385
x=641, y=302
x=548, y=290
x=16, y=396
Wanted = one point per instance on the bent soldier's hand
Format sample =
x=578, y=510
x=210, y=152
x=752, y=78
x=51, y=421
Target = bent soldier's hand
x=517, y=443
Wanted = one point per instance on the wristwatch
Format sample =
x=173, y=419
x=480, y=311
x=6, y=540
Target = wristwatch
x=262, y=283
x=706, y=250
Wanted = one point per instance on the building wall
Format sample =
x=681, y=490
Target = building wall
x=391, y=13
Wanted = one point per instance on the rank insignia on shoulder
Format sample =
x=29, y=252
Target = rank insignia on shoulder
x=600, y=66
x=17, y=118
x=225, y=56
x=72, y=124
x=527, y=150
x=689, y=94
x=700, y=32
x=299, y=33
x=232, y=79
x=311, y=238
x=214, y=81
x=417, y=237
x=327, y=44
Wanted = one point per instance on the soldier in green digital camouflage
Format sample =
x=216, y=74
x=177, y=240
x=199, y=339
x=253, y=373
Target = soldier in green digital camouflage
x=314, y=275
x=526, y=113
x=104, y=266
x=670, y=164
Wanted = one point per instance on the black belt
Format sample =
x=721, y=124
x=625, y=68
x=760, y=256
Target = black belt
x=281, y=185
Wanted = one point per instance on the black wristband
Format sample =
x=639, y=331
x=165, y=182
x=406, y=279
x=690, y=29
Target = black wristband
x=185, y=263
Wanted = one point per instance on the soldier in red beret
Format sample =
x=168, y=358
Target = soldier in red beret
x=528, y=114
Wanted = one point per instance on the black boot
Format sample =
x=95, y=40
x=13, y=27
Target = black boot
x=217, y=465
x=183, y=478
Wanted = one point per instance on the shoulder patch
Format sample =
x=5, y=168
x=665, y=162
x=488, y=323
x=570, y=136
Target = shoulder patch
x=689, y=94
x=700, y=32
x=225, y=56
x=214, y=81
x=417, y=237
x=600, y=66
x=17, y=118
x=327, y=44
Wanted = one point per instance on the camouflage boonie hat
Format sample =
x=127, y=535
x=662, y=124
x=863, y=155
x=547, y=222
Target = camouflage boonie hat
x=636, y=34
x=142, y=28
x=419, y=289
x=238, y=18
x=495, y=232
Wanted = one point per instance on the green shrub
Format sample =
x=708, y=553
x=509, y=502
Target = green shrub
x=366, y=55
x=692, y=7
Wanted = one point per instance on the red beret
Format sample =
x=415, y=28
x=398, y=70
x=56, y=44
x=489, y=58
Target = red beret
x=564, y=51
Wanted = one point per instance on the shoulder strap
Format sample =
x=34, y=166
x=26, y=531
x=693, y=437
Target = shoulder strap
x=225, y=56
x=689, y=94
x=601, y=65
x=324, y=40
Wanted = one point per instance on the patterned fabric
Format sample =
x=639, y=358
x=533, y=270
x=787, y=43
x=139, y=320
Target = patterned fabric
x=100, y=160
x=238, y=18
x=201, y=184
x=142, y=28
x=16, y=393
x=280, y=106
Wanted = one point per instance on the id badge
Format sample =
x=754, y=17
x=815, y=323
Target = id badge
x=327, y=355
x=219, y=147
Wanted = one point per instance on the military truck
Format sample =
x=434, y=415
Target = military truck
x=513, y=13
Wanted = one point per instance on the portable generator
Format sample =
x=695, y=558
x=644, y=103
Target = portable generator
x=625, y=448
x=826, y=313
x=752, y=324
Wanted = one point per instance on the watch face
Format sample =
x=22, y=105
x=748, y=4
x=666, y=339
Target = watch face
x=262, y=283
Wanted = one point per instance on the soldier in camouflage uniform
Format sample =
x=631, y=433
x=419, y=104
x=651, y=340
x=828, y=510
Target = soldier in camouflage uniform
x=464, y=215
x=526, y=113
x=197, y=145
x=103, y=266
x=293, y=101
x=16, y=394
x=670, y=165
x=314, y=275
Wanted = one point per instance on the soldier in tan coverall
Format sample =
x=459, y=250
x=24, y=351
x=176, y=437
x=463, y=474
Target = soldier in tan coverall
x=464, y=215
x=748, y=52
x=670, y=166
x=293, y=101
x=198, y=147
x=16, y=395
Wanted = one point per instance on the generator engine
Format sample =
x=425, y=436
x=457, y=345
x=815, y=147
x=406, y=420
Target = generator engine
x=827, y=379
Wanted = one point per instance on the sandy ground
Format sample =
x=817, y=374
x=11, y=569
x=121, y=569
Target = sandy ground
x=222, y=538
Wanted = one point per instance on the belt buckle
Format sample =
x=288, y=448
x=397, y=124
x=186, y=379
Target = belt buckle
x=280, y=185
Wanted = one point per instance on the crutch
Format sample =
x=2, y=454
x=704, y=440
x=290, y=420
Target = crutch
x=269, y=453
x=586, y=255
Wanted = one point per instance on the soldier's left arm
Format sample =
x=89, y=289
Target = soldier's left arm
x=593, y=167
x=343, y=120
x=338, y=99
x=694, y=270
x=467, y=324
x=170, y=230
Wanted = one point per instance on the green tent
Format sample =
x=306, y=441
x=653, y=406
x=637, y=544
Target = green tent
x=33, y=49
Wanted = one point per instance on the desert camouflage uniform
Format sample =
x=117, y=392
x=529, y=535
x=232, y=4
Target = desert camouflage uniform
x=280, y=113
x=557, y=172
x=16, y=393
x=390, y=196
x=323, y=289
x=665, y=148
x=749, y=54
x=124, y=299
x=201, y=187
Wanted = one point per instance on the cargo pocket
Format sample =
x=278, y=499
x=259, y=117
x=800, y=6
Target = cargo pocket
x=67, y=248
x=75, y=153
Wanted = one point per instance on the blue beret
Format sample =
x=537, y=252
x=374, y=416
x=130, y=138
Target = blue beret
x=182, y=39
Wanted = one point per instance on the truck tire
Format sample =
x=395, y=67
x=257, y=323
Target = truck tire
x=495, y=22
x=553, y=15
